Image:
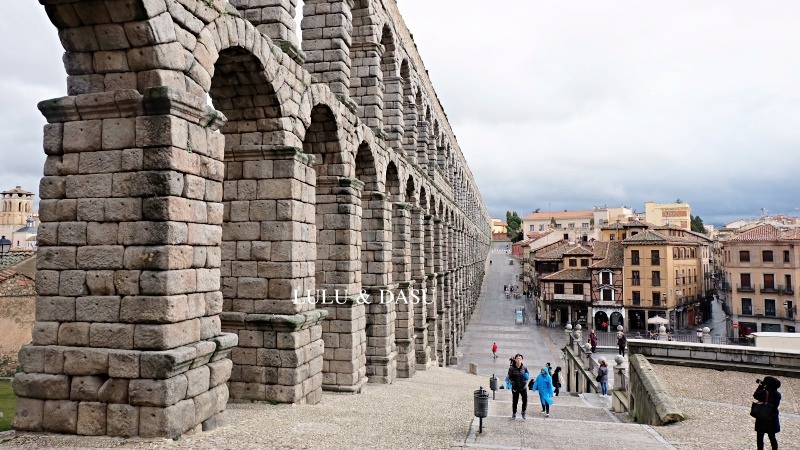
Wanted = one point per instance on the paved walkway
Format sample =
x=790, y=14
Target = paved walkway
x=584, y=420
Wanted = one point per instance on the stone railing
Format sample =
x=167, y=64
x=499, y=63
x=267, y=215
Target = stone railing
x=766, y=361
x=648, y=399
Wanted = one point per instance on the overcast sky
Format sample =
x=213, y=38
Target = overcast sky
x=557, y=104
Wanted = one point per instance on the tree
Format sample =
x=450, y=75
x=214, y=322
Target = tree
x=514, y=226
x=697, y=224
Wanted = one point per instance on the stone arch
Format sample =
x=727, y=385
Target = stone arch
x=376, y=267
x=216, y=220
x=337, y=266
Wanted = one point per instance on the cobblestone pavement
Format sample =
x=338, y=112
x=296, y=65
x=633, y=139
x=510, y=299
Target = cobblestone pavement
x=431, y=411
x=718, y=405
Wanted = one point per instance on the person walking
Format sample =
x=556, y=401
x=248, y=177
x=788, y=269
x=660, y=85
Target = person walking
x=557, y=380
x=518, y=376
x=622, y=341
x=494, y=350
x=602, y=377
x=767, y=392
x=544, y=384
x=593, y=340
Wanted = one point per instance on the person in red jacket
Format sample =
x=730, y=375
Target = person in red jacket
x=593, y=340
x=494, y=350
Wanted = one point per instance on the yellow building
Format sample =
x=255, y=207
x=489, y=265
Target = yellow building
x=760, y=267
x=668, y=214
x=664, y=275
x=498, y=226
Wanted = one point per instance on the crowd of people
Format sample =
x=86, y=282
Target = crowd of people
x=547, y=383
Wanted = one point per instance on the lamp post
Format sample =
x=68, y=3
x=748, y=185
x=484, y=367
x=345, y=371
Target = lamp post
x=5, y=246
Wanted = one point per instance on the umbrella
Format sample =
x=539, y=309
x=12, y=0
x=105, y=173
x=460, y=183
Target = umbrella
x=657, y=320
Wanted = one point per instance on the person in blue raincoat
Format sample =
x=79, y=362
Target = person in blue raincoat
x=544, y=384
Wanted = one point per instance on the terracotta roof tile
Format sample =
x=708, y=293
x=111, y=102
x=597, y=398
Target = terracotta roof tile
x=560, y=215
x=569, y=275
x=763, y=232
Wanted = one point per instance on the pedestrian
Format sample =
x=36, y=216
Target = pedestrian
x=494, y=350
x=593, y=340
x=544, y=384
x=518, y=376
x=605, y=326
x=602, y=377
x=767, y=392
x=557, y=380
x=538, y=319
x=621, y=342
x=549, y=369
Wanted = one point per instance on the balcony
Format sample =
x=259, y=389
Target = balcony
x=768, y=289
x=656, y=281
x=745, y=288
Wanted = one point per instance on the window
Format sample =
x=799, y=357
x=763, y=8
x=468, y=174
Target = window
x=635, y=278
x=769, y=281
x=656, y=298
x=635, y=257
x=612, y=237
x=566, y=237
x=747, y=307
x=541, y=227
x=744, y=279
x=786, y=256
x=637, y=298
x=769, y=307
x=532, y=228
x=584, y=262
x=558, y=288
x=654, y=258
x=605, y=278
x=766, y=255
x=558, y=226
x=585, y=225
x=787, y=280
x=675, y=253
x=607, y=295
x=571, y=225
x=577, y=289
x=656, y=278
x=573, y=262
x=744, y=256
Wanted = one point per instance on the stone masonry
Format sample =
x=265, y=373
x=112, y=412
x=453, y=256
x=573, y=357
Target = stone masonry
x=229, y=214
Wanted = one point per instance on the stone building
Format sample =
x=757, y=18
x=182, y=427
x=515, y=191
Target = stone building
x=315, y=229
x=665, y=275
x=760, y=271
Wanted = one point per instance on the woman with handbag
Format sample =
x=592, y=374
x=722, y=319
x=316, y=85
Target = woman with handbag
x=765, y=410
x=557, y=380
x=602, y=377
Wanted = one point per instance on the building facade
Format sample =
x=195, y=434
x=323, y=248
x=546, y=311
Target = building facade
x=761, y=268
x=677, y=215
x=664, y=276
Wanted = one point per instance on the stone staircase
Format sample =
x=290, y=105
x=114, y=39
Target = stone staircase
x=576, y=421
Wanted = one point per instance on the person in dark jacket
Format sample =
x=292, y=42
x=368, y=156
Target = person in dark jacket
x=557, y=380
x=767, y=392
x=622, y=341
x=602, y=377
x=518, y=376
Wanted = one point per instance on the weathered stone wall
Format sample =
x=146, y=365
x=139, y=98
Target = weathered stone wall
x=175, y=233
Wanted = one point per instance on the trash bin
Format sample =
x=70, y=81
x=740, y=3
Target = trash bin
x=493, y=383
x=481, y=403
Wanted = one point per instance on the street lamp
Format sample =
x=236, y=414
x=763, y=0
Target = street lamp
x=5, y=246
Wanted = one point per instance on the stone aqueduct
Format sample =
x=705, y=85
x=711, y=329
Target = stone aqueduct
x=184, y=247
